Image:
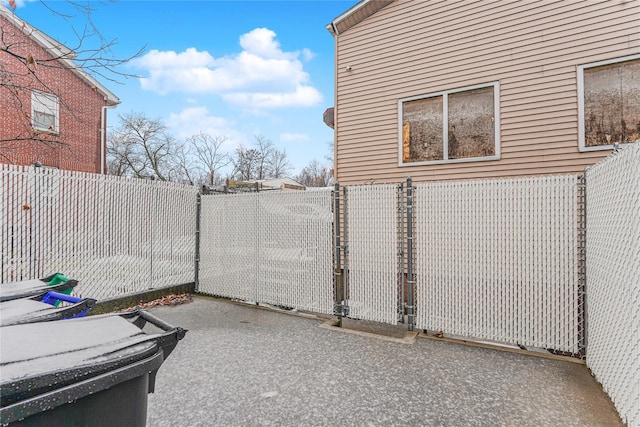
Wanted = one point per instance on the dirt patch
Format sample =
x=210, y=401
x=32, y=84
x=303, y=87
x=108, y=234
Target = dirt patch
x=165, y=300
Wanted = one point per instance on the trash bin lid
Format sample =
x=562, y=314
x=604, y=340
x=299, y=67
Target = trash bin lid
x=37, y=358
x=28, y=288
x=45, y=365
x=14, y=310
x=26, y=310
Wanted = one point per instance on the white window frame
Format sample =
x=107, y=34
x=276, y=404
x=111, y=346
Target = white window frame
x=580, y=70
x=445, y=125
x=45, y=102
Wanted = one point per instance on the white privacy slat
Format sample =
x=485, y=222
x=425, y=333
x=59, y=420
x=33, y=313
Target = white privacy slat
x=493, y=260
x=613, y=279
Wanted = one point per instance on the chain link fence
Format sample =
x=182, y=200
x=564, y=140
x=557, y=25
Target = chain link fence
x=114, y=235
x=613, y=278
x=496, y=260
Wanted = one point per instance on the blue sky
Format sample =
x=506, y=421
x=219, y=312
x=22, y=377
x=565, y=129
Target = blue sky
x=227, y=68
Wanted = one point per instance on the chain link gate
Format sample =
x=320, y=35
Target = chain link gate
x=268, y=247
x=369, y=242
x=498, y=261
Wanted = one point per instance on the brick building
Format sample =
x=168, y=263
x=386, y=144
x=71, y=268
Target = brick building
x=51, y=111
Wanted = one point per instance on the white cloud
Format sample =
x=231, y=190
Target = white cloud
x=192, y=121
x=307, y=55
x=262, y=75
x=303, y=96
x=294, y=137
x=261, y=42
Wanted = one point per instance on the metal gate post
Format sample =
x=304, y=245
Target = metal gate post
x=196, y=275
x=411, y=319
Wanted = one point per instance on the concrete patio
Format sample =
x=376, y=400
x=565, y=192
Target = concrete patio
x=245, y=366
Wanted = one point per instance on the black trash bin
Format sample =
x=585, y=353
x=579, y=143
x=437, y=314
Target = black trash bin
x=91, y=371
x=43, y=309
x=35, y=287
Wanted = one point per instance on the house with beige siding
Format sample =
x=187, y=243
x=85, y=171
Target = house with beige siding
x=445, y=90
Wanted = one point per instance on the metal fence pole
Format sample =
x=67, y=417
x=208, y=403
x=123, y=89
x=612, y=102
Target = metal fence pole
x=151, y=224
x=34, y=223
x=410, y=278
x=196, y=274
x=257, y=246
x=582, y=262
x=401, y=252
x=345, y=249
x=337, y=309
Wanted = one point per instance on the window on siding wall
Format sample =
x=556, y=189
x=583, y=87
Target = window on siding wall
x=44, y=111
x=609, y=103
x=451, y=126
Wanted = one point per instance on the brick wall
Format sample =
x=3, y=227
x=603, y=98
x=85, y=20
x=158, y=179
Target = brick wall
x=77, y=144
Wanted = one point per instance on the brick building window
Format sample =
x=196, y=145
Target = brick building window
x=451, y=126
x=44, y=112
x=609, y=103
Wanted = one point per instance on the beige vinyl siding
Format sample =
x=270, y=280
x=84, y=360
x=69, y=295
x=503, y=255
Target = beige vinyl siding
x=532, y=49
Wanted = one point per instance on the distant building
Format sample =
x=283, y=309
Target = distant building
x=281, y=183
x=52, y=111
x=250, y=186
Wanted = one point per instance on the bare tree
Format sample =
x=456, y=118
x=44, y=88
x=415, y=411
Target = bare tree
x=23, y=68
x=315, y=175
x=187, y=167
x=262, y=161
x=118, y=154
x=245, y=162
x=208, y=152
x=264, y=149
x=143, y=147
x=279, y=165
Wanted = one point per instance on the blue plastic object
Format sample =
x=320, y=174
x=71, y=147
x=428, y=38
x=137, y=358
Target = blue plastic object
x=54, y=299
